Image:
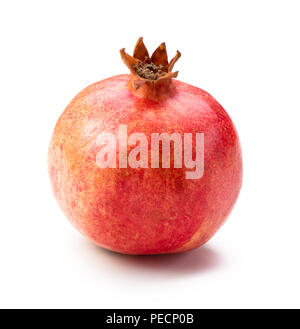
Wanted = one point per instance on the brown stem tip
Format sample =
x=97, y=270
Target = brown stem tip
x=149, y=69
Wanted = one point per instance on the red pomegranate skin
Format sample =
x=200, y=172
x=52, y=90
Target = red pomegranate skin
x=144, y=211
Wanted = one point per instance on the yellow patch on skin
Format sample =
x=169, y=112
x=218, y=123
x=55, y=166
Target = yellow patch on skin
x=199, y=238
x=192, y=241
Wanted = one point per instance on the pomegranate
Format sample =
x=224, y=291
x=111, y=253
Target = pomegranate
x=123, y=160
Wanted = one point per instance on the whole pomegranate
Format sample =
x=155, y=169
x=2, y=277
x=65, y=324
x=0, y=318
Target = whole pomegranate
x=144, y=164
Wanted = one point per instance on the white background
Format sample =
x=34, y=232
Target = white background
x=247, y=55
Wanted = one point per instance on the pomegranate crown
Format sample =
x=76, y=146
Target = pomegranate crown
x=149, y=69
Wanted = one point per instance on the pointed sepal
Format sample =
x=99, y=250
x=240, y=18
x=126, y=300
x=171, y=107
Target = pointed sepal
x=160, y=57
x=140, y=51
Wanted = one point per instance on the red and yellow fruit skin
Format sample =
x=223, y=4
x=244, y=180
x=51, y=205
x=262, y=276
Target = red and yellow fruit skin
x=144, y=211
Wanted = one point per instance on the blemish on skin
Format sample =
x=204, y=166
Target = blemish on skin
x=156, y=215
x=173, y=215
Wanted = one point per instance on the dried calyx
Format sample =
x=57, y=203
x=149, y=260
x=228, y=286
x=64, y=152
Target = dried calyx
x=149, y=70
x=145, y=69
